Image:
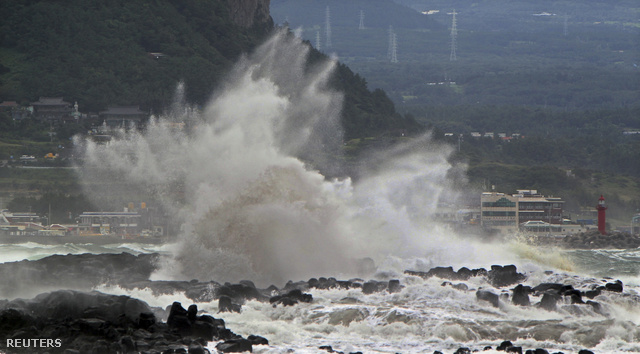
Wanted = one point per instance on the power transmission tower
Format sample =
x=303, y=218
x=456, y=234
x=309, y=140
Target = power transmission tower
x=318, y=44
x=328, y=27
x=393, y=46
x=361, y=26
x=454, y=35
x=566, y=25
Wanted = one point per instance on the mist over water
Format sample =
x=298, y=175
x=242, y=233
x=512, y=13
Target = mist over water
x=247, y=182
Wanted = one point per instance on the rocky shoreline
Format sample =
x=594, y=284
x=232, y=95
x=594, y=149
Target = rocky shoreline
x=85, y=321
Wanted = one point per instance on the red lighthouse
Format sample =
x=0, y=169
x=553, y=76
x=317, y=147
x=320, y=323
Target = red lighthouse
x=601, y=216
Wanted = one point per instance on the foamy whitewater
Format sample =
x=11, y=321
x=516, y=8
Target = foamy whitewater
x=246, y=182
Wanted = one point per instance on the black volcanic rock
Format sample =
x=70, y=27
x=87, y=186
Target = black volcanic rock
x=615, y=286
x=225, y=304
x=257, y=340
x=101, y=323
x=500, y=276
x=373, y=286
x=80, y=272
x=486, y=295
x=549, y=301
x=235, y=346
x=463, y=273
x=521, y=295
x=291, y=298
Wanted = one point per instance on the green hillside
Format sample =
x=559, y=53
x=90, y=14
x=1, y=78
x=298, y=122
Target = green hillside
x=98, y=54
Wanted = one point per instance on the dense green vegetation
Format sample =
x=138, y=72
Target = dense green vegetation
x=97, y=53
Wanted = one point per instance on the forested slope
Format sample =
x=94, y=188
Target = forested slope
x=98, y=53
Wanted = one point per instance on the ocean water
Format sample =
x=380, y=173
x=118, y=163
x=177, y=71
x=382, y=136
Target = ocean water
x=425, y=315
x=248, y=186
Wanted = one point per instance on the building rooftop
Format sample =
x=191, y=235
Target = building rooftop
x=50, y=101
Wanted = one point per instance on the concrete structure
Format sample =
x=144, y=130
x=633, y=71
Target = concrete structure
x=525, y=211
x=499, y=211
x=534, y=206
x=107, y=223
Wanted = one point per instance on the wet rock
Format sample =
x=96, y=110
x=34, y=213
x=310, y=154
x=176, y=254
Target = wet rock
x=244, y=290
x=504, y=345
x=146, y=319
x=225, y=304
x=549, y=301
x=178, y=319
x=373, y=286
x=521, y=295
x=235, y=346
x=593, y=293
x=576, y=298
x=257, y=340
x=463, y=350
x=196, y=348
x=537, y=351
x=585, y=351
x=500, y=276
x=486, y=295
x=291, y=298
x=394, y=286
x=615, y=286
x=546, y=287
x=514, y=349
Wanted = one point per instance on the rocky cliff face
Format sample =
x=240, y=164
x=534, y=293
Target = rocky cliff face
x=250, y=13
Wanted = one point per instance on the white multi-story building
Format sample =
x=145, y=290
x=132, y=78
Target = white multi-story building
x=526, y=211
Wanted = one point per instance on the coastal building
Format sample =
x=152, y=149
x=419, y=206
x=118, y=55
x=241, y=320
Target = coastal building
x=499, y=211
x=106, y=223
x=19, y=224
x=534, y=206
x=18, y=217
x=123, y=116
x=134, y=221
x=526, y=211
x=52, y=109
